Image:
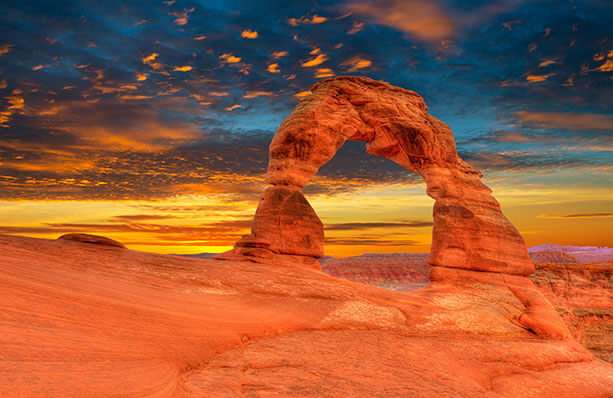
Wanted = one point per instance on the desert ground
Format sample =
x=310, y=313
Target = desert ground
x=83, y=319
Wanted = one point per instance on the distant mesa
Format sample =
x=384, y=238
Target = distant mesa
x=583, y=254
x=470, y=231
x=92, y=239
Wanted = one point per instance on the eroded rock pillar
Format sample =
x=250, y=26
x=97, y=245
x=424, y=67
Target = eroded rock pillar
x=470, y=231
x=286, y=219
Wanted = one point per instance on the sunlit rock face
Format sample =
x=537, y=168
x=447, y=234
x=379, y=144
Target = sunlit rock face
x=469, y=231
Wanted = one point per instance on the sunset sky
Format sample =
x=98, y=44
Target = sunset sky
x=149, y=121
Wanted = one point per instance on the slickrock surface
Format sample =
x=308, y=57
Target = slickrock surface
x=91, y=320
x=469, y=230
x=583, y=296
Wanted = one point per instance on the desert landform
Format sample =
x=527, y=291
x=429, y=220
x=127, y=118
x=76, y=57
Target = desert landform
x=85, y=316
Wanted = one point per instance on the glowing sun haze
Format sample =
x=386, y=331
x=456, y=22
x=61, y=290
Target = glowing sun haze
x=149, y=121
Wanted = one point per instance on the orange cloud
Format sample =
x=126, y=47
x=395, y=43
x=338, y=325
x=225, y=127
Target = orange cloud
x=320, y=59
x=182, y=16
x=135, y=97
x=608, y=65
x=15, y=101
x=4, y=118
x=141, y=76
x=567, y=120
x=538, y=78
x=303, y=94
x=357, y=63
x=254, y=94
x=586, y=215
x=273, y=68
x=5, y=48
x=233, y=107
x=37, y=67
x=423, y=19
x=218, y=93
x=279, y=54
x=201, y=37
x=548, y=62
x=315, y=19
x=229, y=58
x=186, y=68
x=150, y=58
x=324, y=72
x=249, y=34
x=357, y=26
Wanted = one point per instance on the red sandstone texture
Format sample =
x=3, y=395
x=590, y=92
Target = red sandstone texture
x=78, y=319
x=580, y=293
x=469, y=232
x=583, y=295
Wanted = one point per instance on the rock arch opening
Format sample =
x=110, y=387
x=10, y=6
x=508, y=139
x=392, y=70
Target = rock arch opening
x=370, y=205
x=469, y=232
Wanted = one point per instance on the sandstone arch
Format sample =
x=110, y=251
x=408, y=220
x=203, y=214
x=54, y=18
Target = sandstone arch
x=469, y=231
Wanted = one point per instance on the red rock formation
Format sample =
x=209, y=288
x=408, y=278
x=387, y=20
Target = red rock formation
x=469, y=231
x=286, y=220
x=581, y=293
x=87, y=321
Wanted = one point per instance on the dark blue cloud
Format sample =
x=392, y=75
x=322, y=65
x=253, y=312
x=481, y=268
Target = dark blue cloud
x=152, y=81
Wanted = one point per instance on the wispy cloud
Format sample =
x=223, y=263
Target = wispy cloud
x=585, y=215
x=356, y=63
x=318, y=60
x=314, y=19
x=358, y=226
x=5, y=48
x=425, y=20
x=567, y=120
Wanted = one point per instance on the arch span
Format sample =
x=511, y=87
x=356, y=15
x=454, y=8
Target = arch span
x=470, y=231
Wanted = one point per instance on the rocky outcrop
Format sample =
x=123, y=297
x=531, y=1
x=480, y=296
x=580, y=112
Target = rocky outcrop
x=469, y=231
x=92, y=239
x=581, y=293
